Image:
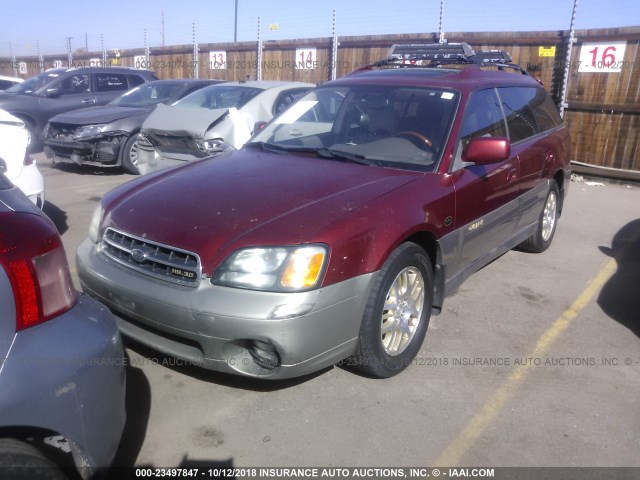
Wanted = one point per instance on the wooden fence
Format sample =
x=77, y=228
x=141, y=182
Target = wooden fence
x=602, y=109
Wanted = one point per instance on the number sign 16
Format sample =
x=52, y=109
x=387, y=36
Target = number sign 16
x=602, y=57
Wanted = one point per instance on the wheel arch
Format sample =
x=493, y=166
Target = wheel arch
x=35, y=436
x=429, y=243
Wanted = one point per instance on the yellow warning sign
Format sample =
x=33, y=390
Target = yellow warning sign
x=547, y=51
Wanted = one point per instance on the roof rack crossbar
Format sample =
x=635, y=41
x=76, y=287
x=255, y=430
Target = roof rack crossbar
x=432, y=51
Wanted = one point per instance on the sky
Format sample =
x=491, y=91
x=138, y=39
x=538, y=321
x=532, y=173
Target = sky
x=45, y=24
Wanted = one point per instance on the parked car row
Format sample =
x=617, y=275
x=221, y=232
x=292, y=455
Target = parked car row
x=334, y=233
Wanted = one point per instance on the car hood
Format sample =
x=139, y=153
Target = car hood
x=213, y=206
x=97, y=115
x=193, y=122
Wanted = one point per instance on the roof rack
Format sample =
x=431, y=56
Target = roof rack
x=439, y=54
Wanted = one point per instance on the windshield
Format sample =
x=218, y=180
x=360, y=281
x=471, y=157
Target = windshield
x=149, y=94
x=214, y=97
x=402, y=127
x=32, y=84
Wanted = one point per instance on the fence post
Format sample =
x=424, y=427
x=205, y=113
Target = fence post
x=13, y=61
x=104, y=52
x=441, y=38
x=259, y=65
x=567, y=65
x=195, y=53
x=334, y=48
x=40, y=57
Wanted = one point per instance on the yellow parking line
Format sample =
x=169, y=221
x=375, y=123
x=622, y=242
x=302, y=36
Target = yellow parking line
x=451, y=456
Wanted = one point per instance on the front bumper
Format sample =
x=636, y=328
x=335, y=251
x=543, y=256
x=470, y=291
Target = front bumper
x=216, y=327
x=67, y=375
x=100, y=151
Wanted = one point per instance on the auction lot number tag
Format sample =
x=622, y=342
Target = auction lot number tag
x=602, y=57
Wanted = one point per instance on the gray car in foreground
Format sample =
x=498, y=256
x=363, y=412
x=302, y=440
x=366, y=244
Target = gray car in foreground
x=62, y=369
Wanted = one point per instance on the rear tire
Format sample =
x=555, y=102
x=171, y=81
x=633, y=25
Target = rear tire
x=541, y=239
x=22, y=461
x=130, y=155
x=397, y=314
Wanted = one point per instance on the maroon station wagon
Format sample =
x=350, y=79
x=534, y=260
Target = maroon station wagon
x=342, y=226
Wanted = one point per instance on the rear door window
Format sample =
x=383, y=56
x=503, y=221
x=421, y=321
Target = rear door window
x=482, y=118
x=111, y=82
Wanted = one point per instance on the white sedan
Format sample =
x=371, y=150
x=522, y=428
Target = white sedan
x=15, y=161
x=211, y=120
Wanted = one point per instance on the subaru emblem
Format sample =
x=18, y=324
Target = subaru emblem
x=138, y=255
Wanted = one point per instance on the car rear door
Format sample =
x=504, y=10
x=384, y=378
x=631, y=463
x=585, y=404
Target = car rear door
x=530, y=115
x=486, y=195
x=108, y=86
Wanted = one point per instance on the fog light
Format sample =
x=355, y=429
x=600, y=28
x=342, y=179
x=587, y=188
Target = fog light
x=264, y=355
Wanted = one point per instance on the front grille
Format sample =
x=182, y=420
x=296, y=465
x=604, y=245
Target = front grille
x=59, y=131
x=154, y=259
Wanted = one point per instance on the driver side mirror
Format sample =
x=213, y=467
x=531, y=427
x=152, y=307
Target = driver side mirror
x=53, y=92
x=487, y=150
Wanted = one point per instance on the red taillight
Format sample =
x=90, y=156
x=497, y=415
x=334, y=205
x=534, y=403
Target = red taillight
x=32, y=255
x=27, y=159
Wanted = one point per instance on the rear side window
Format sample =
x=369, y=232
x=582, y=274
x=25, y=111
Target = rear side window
x=517, y=102
x=110, y=82
x=135, y=80
x=545, y=111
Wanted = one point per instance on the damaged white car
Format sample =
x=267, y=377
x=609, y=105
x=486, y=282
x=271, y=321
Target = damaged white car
x=211, y=120
x=15, y=161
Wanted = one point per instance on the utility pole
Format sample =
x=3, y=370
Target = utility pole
x=86, y=42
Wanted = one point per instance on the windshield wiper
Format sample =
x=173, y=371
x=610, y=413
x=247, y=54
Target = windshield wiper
x=349, y=156
x=267, y=147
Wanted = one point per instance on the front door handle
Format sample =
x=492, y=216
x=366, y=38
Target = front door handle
x=512, y=174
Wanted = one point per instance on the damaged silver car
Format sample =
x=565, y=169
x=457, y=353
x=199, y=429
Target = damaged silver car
x=211, y=120
x=107, y=135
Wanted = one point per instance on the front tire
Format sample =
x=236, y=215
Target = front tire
x=397, y=314
x=540, y=240
x=20, y=460
x=130, y=153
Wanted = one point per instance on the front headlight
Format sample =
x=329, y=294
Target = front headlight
x=94, y=226
x=89, y=131
x=275, y=269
